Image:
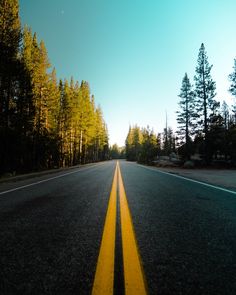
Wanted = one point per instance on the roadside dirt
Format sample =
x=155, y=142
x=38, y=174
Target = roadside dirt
x=221, y=177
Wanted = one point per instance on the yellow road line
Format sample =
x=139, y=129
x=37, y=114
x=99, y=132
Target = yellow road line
x=104, y=277
x=133, y=274
x=134, y=277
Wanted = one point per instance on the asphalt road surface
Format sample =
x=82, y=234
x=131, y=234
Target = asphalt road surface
x=52, y=229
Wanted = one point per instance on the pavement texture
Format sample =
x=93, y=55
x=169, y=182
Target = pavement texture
x=50, y=233
x=186, y=232
x=51, y=228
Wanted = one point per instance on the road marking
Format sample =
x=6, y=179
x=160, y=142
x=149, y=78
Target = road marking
x=45, y=180
x=104, y=276
x=133, y=274
x=191, y=180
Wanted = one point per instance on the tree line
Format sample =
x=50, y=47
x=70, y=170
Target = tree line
x=141, y=145
x=205, y=127
x=44, y=122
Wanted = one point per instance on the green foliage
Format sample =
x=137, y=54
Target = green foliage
x=232, y=90
x=168, y=145
x=206, y=106
x=141, y=145
x=186, y=116
x=214, y=136
x=148, y=151
x=115, y=152
x=43, y=123
x=133, y=143
x=10, y=69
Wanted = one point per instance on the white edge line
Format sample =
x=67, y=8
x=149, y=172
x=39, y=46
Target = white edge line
x=45, y=180
x=191, y=180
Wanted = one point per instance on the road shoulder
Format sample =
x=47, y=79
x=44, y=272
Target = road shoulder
x=222, y=177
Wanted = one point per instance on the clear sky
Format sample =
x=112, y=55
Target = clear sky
x=134, y=53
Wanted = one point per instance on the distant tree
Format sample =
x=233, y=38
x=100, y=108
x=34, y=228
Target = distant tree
x=159, y=144
x=122, y=152
x=133, y=143
x=186, y=115
x=115, y=151
x=168, y=141
x=141, y=145
x=148, y=150
x=101, y=145
x=232, y=89
x=217, y=137
x=225, y=115
x=205, y=93
x=232, y=124
x=128, y=145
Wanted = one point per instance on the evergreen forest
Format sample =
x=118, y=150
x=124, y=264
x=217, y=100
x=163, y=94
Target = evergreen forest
x=206, y=128
x=48, y=122
x=45, y=122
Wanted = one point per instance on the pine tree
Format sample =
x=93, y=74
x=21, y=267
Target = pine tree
x=105, y=146
x=85, y=113
x=232, y=125
x=99, y=134
x=36, y=62
x=148, y=149
x=186, y=115
x=43, y=123
x=133, y=143
x=65, y=121
x=40, y=80
x=232, y=89
x=205, y=93
x=115, y=151
x=137, y=141
x=26, y=101
x=53, y=103
x=225, y=115
x=10, y=37
x=168, y=141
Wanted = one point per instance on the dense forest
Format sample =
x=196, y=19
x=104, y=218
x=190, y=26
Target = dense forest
x=206, y=131
x=45, y=122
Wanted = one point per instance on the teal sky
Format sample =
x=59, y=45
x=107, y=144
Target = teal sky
x=134, y=53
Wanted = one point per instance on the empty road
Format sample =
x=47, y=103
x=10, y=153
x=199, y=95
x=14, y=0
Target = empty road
x=116, y=228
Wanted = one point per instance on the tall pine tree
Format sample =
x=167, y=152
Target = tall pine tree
x=186, y=115
x=232, y=89
x=10, y=37
x=43, y=123
x=205, y=92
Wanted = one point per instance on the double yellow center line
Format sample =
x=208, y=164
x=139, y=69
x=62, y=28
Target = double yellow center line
x=133, y=275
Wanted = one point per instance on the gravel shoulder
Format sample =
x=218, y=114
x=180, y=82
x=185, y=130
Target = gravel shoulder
x=222, y=177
